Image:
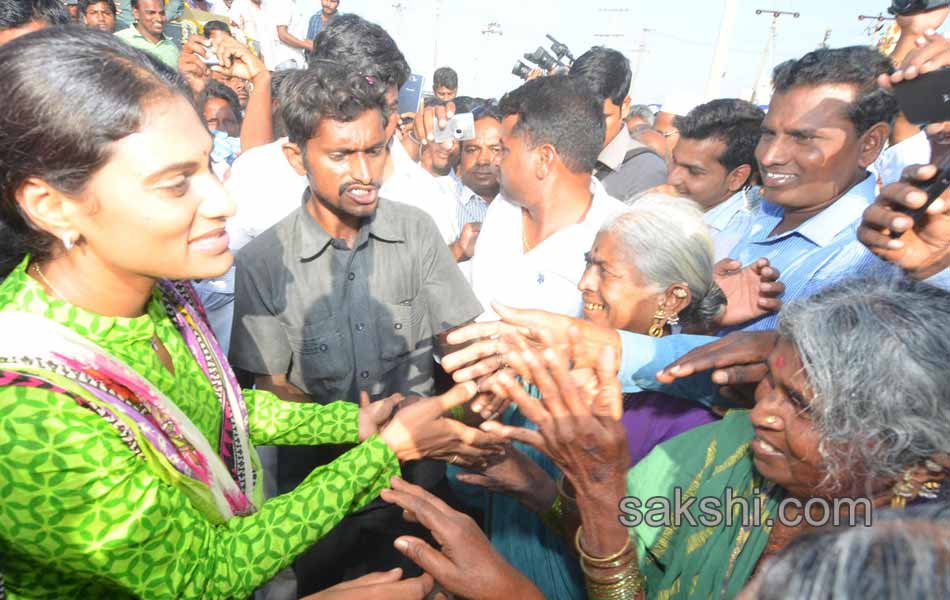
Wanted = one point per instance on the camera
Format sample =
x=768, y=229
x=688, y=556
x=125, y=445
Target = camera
x=908, y=7
x=543, y=59
x=560, y=50
x=521, y=70
x=460, y=127
x=210, y=58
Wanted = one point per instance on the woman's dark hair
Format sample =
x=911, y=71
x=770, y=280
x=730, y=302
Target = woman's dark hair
x=68, y=93
x=216, y=89
x=327, y=91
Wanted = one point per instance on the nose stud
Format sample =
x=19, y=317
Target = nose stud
x=771, y=420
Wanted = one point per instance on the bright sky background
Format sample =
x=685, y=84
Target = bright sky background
x=679, y=53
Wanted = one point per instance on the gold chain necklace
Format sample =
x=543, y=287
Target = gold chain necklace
x=39, y=273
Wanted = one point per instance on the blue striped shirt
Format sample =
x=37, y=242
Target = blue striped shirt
x=820, y=251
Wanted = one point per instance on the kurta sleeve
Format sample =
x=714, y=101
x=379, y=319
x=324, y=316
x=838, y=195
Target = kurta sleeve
x=84, y=516
x=276, y=422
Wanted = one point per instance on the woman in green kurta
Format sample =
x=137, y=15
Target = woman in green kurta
x=127, y=465
x=855, y=404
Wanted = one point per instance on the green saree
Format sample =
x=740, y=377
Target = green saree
x=692, y=560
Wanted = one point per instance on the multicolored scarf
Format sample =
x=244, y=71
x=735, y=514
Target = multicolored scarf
x=38, y=352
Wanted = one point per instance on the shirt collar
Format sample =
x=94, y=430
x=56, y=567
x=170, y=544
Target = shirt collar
x=613, y=154
x=313, y=239
x=138, y=34
x=824, y=227
x=465, y=194
x=718, y=217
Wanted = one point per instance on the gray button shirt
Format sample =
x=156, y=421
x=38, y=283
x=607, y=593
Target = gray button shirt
x=337, y=321
x=626, y=167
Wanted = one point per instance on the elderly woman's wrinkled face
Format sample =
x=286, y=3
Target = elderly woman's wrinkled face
x=614, y=291
x=785, y=447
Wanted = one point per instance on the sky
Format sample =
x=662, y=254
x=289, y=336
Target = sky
x=676, y=65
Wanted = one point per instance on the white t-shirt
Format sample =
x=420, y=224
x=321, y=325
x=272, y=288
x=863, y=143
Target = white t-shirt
x=265, y=189
x=276, y=53
x=546, y=277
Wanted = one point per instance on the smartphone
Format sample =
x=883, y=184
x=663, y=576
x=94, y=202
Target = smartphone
x=410, y=95
x=933, y=188
x=926, y=98
x=460, y=127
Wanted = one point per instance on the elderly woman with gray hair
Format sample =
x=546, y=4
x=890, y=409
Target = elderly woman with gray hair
x=853, y=412
x=650, y=271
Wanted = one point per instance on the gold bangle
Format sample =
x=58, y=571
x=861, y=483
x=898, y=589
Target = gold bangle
x=598, y=561
x=624, y=589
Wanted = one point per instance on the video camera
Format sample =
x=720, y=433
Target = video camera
x=521, y=70
x=545, y=60
x=902, y=8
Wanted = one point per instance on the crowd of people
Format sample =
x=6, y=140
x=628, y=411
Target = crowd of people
x=264, y=333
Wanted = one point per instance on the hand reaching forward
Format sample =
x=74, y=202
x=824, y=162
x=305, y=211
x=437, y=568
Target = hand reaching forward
x=378, y=586
x=466, y=565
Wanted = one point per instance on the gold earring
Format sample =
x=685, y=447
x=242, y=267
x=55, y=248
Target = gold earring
x=904, y=490
x=659, y=320
x=680, y=293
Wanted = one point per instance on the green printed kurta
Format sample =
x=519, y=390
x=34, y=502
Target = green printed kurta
x=82, y=517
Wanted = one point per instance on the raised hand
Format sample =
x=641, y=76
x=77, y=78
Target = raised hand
x=752, y=291
x=466, y=565
x=518, y=476
x=921, y=247
x=421, y=431
x=579, y=431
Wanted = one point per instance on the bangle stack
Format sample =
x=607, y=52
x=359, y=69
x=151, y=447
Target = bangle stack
x=563, y=504
x=624, y=584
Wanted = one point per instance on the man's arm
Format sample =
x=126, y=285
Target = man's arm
x=291, y=40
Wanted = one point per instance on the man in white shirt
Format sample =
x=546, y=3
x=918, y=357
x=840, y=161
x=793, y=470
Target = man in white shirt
x=283, y=32
x=530, y=252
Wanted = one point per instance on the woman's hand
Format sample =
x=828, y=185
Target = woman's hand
x=579, y=431
x=518, y=476
x=421, y=431
x=466, y=565
x=378, y=586
x=374, y=415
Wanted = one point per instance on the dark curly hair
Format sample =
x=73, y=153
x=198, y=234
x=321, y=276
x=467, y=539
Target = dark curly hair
x=858, y=66
x=561, y=111
x=736, y=123
x=327, y=90
x=363, y=47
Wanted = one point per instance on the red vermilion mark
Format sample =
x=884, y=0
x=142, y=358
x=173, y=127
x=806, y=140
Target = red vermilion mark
x=779, y=362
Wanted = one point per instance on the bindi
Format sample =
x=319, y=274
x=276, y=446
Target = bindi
x=779, y=362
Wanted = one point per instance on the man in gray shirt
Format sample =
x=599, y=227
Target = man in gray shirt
x=345, y=296
x=625, y=166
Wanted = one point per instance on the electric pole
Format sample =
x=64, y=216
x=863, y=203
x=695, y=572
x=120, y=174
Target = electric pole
x=717, y=70
x=640, y=51
x=769, y=46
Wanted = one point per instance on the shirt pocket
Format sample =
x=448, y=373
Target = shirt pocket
x=321, y=354
x=397, y=327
